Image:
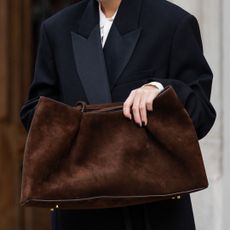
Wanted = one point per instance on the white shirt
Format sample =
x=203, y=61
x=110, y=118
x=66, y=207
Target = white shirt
x=105, y=25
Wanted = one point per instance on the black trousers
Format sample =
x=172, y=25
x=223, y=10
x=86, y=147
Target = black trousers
x=163, y=215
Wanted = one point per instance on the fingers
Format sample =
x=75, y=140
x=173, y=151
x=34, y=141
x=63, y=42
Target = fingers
x=143, y=109
x=149, y=101
x=127, y=105
x=136, y=107
x=138, y=103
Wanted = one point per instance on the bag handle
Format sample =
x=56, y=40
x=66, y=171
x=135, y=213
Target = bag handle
x=107, y=107
x=99, y=107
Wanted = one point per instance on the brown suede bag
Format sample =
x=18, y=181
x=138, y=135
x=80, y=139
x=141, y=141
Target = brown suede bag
x=92, y=156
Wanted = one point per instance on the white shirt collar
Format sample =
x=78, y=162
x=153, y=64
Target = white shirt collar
x=105, y=24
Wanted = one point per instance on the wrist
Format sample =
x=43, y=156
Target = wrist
x=155, y=84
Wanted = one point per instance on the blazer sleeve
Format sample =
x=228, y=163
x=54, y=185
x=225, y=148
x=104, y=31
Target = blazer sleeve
x=190, y=75
x=45, y=81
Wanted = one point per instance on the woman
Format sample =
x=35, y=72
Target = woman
x=124, y=50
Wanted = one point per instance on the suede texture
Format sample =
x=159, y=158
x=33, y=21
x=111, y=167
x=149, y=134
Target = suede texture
x=93, y=157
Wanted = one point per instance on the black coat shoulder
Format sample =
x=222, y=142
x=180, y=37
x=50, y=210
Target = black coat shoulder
x=67, y=17
x=165, y=12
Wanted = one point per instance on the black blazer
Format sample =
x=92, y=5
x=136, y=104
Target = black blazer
x=150, y=40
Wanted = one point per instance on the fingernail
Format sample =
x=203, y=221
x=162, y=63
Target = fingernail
x=140, y=125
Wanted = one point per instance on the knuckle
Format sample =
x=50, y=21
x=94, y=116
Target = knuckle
x=146, y=90
x=135, y=109
x=126, y=104
x=139, y=91
x=142, y=107
x=133, y=91
x=125, y=112
x=149, y=102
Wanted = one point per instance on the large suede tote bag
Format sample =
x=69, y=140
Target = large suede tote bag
x=91, y=156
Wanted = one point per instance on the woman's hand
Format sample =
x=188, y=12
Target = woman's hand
x=139, y=101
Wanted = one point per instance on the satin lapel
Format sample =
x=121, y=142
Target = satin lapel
x=89, y=57
x=122, y=38
x=118, y=52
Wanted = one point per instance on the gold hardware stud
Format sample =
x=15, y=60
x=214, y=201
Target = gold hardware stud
x=51, y=209
x=178, y=197
x=173, y=198
x=57, y=206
